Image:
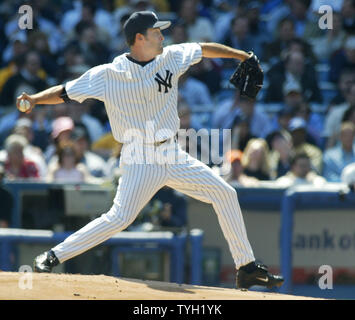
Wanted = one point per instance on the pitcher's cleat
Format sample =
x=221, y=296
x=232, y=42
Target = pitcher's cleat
x=45, y=262
x=257, y=274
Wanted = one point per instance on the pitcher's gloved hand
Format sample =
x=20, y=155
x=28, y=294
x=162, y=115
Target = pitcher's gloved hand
x=248, y=77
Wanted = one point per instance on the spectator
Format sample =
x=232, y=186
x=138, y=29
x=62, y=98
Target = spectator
x=80, y=114
x=305, y=24
x=92, y=45
x=300, y=173
x=48, y=27
x=292, y=100
x=236, y=176
x=199, y=29
x=226, y=13
x=49, y=10
x=256, y=25
x=28, y=79
x=239, y=36
x=41, y=127
x=7, y=202
x=348, y=13
x=282, y=119
x=70, y=61
x=280, y=155
x=14, y=65
x=260, y=125
x=300, y=45
x=293, y=68
x=68, y=169
x=17, y=47
x=197, y=96
x=347, y=77
x=178, y=34
x=230, y=109
x=208, y=71
x=255, y=159
x=61, y=130
x=95, y=164
x=241, y=133
x=285, y=33
x=194, y=92
x=293, y=96
x=16, y=165
x=184, y=113
x=24, y=128
x=297, y=129
x=275, y=11
x=337, y=158
x=86, y=12
x=334, y=117
x=314, y=124
x=38, y=42
x=342, y=59
x=104, y=18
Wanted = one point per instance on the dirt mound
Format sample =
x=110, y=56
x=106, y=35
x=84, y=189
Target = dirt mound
x=17, y=286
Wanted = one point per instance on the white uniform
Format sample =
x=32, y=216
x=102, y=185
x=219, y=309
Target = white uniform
x=134, y=95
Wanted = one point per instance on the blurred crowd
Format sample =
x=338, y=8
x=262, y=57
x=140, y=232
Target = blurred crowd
x=301, y=129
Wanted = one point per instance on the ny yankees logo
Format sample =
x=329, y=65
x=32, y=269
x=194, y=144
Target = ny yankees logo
x=164, y=82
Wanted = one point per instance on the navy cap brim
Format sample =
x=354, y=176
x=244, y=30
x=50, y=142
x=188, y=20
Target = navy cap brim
x=162, y=25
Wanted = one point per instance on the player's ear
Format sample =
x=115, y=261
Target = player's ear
x=139, y=37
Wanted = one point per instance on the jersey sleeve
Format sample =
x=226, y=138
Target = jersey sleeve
x=90, y=85
x=186, y=55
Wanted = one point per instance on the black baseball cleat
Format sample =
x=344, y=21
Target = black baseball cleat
x=257, y=274
x=45, y=262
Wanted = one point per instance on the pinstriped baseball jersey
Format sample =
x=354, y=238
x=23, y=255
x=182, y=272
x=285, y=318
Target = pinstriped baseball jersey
x=134, y=94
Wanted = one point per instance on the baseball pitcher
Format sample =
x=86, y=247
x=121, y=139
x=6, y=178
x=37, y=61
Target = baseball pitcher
x=141, y=87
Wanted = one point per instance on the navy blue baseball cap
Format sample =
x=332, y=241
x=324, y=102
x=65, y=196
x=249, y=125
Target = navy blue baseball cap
x=140, y=21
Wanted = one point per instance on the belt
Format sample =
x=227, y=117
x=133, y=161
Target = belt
x=159, y=143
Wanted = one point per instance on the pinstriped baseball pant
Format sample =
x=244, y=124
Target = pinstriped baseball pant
x=138, y=184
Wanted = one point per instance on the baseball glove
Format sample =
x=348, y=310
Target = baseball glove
x=248, y=77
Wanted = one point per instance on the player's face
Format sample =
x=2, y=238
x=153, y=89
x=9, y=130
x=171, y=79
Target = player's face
x=154, y=40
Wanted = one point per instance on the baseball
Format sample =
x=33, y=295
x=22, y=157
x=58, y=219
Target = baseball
x=24, y=105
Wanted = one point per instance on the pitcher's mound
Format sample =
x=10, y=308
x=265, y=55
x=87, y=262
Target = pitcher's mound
x=14, y=286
